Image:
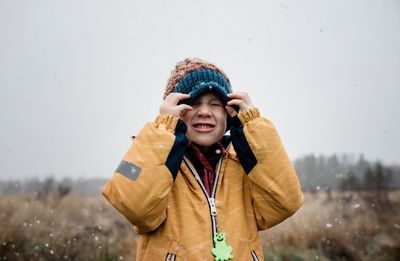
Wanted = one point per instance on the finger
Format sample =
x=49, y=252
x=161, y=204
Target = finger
x=240, y=95
x=176, y=97
x=234, y=95
x=184, y=107
x=237, y=102
x=231, y=111
x=177, y=94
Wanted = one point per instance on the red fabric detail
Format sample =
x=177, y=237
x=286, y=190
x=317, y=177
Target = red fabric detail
x=208, y=172
x=223, y=150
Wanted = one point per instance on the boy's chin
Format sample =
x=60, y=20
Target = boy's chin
x=204, y=142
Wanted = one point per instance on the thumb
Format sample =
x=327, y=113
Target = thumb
x=231, y=111
x=184, y=107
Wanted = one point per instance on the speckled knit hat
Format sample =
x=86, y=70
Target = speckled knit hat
x=195, y=76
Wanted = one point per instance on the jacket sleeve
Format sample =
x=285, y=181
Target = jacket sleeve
x=274, y=185
x=141, y=183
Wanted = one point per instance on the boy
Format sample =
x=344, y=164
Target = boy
x=194, y=193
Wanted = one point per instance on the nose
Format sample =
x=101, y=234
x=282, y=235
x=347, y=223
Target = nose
x=204, y=110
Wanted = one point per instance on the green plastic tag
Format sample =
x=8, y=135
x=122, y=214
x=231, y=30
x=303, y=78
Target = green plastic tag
x=222, y=251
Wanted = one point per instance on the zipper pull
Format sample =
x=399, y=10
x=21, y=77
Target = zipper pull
x=213, y=207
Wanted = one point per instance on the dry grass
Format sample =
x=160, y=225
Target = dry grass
x=337, y=226
x=328, y=227
x=73, y=228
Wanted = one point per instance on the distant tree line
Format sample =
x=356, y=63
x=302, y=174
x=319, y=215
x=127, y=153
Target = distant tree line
x=51, y=186
x=315, y=172
x=344, y=173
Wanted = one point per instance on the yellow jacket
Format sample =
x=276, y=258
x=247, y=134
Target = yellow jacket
x=173, y=216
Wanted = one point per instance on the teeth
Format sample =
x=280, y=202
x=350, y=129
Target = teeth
x=203, y=126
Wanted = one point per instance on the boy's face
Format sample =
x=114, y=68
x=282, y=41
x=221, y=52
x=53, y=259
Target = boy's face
x=206, y=123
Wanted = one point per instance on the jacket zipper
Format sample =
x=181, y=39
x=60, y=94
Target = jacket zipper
x=170, y=257
x=254, y=255
x=211, y=198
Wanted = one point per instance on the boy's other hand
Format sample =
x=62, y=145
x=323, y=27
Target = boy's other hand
x=170, y=105
x=231, y=111
x=240, y=99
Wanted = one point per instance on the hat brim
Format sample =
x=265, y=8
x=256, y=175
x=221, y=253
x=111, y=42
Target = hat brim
x=204, y=87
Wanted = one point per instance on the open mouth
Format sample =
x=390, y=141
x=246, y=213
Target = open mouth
x=203, y=127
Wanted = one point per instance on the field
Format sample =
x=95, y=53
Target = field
x=329, y=226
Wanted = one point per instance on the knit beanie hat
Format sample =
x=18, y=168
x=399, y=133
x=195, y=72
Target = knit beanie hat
x=195, y=76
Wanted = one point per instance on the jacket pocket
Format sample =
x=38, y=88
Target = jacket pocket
x=171, y=257
x=254, y=255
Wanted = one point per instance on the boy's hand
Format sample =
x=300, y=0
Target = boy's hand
x=170, y=105
x=240, y=99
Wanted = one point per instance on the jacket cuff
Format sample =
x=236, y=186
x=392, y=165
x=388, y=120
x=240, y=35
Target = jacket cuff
x=248, y=115
x=169, y=121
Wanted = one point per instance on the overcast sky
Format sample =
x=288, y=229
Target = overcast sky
x=78, y=78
